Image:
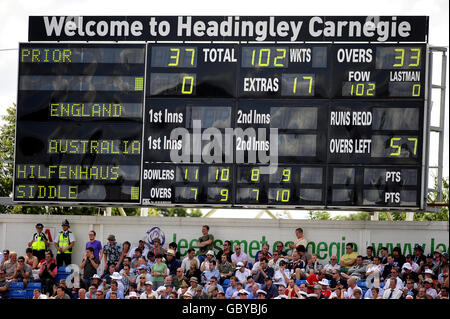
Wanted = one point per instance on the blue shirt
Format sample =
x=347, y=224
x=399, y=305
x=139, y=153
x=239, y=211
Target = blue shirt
x=230, y=291
x=208, y=274
x=96, y=245
x=119, y=294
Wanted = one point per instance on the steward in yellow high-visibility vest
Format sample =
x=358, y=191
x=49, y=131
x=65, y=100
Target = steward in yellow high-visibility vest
x=64, y=244
x=39, y=242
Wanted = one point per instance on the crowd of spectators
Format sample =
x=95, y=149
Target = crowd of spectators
x=156, y=272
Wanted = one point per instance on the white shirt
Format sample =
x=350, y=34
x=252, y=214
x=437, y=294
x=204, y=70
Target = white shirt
x=349, y=293
x=242, y=276
x=144, y=295
x=186, y=263
x=278, y=278
x=330, y=267
x=432, y=292
x=398, y=286
x=396, y=294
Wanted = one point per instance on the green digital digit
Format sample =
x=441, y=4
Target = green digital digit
x=310, y=79
x=416, y=90
x=280, y=57
x=394, y=146
x=285, y=194
x=415, y=57
x=224, y=194
x=195, y=190
x=400, y=57
x=176, y=56
x=286, y=175
x=415, y=140
x=224, y=174
x=256, y=190
x=192, y=56
x=260, y=57
x=255, y=175
x=191, y=86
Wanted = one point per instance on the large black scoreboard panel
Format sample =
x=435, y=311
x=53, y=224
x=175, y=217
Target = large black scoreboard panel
x=316, y=125
x=79, y=123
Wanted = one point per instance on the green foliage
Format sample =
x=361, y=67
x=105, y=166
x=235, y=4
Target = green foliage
x=319, y=215
x=7, y=154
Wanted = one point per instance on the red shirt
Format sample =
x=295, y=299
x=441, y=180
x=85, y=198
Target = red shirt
x=312, y=280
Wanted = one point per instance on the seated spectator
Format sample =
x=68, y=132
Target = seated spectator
x=359, y=270
x=178, y=279
x=48, y=272
x=326, y=291
x=374, y=267
x=242, y=273
x=297, y=265
x=387, y=268
x=292, y=290
x=394, y=277
x=22, y=272
x=337, y=280
x=375, y=294
x=269, y=288
x=418, y=255
x=114, y=289
x=392, y=292
x=313, y=266
x=408, y=273
x=225, y=251
x=232, y=288
x=410, y=289
x=369, y=257
x=206, y=261
x=151, y=260
x=280, y=249
x=127, y=277
x=99, y=294
x=4, y=257
x=37, y=294
x=135, y=260
x=265, y=252
x=186, y=263
x=107, y=274
x=239, y=256
x=193, y=270
x=30, y=259
x=263, y=271
x=250, y=284
x=172, y=262
x=142, y=271
x=213, y=282
x=61, y=293
x=91, y=293
x=275, y=261
x=193, y=281
x=352, y=287
x=399, y=259
x=282, y=275
x=313, y=280
x=173, y=245
x=225, y=269
x=348, y=260
x=212, y=272
x=4, y=285
x=142, y=247
x=429, y=290
x=331, y=266
x=410, y=260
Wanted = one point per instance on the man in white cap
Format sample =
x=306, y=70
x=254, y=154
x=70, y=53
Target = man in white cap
x=148, y=291
x=115, y=288
x=429, y=290
x=187, y=295
x=172, y=262
x=132, y=295
x=243, y=294
x=161, y=292
x=239, y=256
x=242, y=273
x=206, y=262
x=261, y=294
x=407, y=272
x=118, y=278
x=326, y=291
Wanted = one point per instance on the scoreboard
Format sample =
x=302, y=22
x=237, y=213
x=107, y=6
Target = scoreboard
x=291, y=125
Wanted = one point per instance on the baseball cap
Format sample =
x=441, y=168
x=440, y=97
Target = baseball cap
x=407, y=266
x=171, y=252
x=96, y=276
x=161, y=288
x=132, y=294
x=428, y=271
x=221, y=292
x=418, y=247
x=243, y=291
x=428, y=280
x=260, y=291
x=429, y=256
x=148, y=283
x=187, y=293
x=318, y=287
x=445, y=255
x=239, y=265
x=268, y=278
x=210, y=252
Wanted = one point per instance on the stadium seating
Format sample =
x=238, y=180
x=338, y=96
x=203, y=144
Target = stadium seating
x=226, y=284
x=63, y=273
x=17, y=294
x=30, y=288
x=299, y=282
x=16, y=286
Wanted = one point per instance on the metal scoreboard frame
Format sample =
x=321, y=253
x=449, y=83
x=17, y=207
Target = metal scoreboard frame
x=32, y=79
